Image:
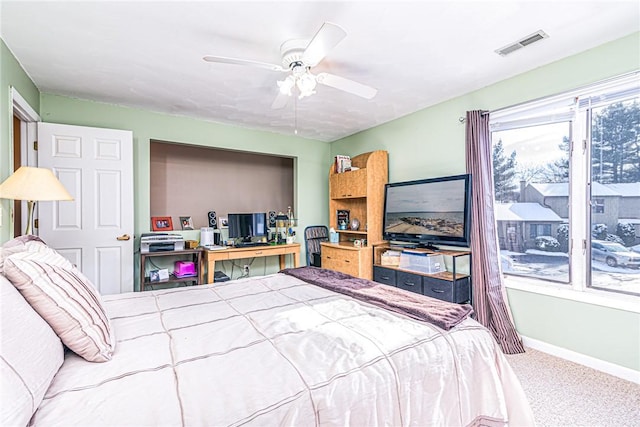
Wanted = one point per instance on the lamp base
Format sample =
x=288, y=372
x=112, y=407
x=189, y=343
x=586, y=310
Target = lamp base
x=30, y=206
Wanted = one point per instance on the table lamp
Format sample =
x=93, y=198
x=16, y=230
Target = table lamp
x=281, y=227
x=33, y=185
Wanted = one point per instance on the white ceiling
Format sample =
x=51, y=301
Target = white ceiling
x=148, y=54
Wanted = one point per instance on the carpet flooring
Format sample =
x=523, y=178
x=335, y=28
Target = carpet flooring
x=563, y=393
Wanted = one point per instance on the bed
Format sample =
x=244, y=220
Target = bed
x=272, y=350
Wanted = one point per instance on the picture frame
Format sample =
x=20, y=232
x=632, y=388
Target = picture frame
x=342, y=219
x=186, y=222
x=161, y=223
x=224, y=222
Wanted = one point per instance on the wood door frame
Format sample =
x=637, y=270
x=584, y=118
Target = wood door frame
x=26, y=153
x=17, y=148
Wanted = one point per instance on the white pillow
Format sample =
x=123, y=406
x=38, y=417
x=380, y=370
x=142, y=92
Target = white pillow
x=31, y=243
x=67, y=300
x=30, y=355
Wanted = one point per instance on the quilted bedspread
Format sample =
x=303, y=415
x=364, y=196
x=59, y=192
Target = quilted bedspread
x=275, y=350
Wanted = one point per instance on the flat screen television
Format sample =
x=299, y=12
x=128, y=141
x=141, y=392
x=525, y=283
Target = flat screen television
x=429, y=212
x=247, y=225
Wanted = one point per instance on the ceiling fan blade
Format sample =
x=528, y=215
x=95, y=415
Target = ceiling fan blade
x=346, y=85
x=327, y=37
x=236, y=61
x=280, y=101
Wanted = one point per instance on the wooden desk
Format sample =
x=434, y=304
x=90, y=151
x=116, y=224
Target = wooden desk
x=210, y=257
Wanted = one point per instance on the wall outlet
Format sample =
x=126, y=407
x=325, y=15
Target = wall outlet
x=245, y=269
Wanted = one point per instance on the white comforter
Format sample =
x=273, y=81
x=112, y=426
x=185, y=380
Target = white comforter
x=277, y=351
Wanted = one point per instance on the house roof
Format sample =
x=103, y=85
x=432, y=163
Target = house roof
x=631, y=189
x=629, y=221
x=525, y=212
x=561, y=189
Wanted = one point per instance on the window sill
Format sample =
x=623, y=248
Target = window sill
x=590, y=296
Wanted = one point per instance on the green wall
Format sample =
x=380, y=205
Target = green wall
x=601, y=332
x=11, y=75
x=604, y=333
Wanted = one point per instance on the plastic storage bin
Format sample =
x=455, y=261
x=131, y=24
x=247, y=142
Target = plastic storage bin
x=184, y=269
x=422, y=262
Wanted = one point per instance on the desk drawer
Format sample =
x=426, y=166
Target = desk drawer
x=262, y=251
x=255, y=252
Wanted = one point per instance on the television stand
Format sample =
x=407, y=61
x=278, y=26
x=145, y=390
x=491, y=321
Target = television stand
x=452, y=285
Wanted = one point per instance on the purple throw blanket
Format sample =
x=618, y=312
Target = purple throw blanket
x=444, y=315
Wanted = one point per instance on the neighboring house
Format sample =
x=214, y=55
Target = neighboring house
x=629, y=207
x=520, y=223
x=611, y=203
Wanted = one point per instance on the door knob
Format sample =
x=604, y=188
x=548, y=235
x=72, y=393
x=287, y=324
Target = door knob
x=123, y=237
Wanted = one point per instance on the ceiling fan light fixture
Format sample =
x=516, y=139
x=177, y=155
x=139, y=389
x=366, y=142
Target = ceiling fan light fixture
x=286, y=85
x=306, y=84
x=298, y=69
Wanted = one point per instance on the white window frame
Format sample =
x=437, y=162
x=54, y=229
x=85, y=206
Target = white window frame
x=571, y=107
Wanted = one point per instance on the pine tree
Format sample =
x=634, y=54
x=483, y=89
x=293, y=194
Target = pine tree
x=504, y=171
x=616, y=143
x=558, y=170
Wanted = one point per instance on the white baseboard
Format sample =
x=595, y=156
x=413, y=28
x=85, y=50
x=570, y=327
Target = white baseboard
x=591, y=362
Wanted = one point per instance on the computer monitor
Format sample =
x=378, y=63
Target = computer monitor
x=247, y=225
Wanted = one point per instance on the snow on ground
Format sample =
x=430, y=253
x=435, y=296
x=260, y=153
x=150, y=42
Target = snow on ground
x=544, y=253
x=555, y=266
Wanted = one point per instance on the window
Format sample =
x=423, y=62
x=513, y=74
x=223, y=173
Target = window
x=598, y=206
x=540, y=230
x=553, y=159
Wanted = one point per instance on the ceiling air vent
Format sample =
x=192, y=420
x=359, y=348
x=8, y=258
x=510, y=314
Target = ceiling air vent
x=526, y=41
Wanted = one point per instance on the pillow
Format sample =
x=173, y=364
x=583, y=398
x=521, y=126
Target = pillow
x=31, y=243
x=30, y=356
x=67, y=300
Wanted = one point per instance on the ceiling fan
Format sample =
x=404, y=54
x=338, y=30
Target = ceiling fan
x=298, y=58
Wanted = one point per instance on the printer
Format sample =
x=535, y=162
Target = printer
x=157, y=242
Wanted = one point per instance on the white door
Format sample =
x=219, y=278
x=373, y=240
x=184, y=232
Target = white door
x=95, y=230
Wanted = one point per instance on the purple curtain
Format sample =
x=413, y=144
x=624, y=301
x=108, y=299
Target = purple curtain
x=489, y=301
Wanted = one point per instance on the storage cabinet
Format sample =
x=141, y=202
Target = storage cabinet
x=361, y=192
x=452, y=286
x=348, y=184
x=347, y=259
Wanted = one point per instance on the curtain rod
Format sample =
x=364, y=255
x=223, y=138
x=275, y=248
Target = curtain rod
x=464, y=119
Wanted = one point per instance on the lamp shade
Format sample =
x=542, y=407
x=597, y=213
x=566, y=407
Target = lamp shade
x=30, y=183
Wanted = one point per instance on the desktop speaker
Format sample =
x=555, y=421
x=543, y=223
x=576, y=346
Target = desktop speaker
x=272, y=219
x=213, y=220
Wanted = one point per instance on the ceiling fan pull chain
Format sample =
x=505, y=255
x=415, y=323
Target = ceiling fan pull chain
x=295, y=115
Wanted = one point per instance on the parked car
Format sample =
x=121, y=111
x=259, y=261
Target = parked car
x=614, y=254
